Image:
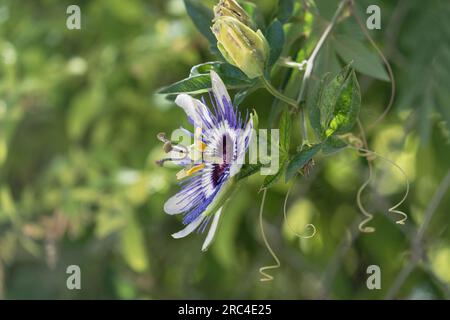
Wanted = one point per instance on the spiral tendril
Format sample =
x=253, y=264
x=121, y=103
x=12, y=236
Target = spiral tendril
x=309, y=225
x=265, y=276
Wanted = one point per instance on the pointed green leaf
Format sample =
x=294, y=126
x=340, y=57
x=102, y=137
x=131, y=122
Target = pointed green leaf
x=202, y=17
x=336, y=105
x=275, y=38
x=270, y=180
x=301, y=159
x=332, y=144
x=194, y=85
x=364, y=60
x=330, y=96
x=199, y=80
x=347, y=107
x=247, y=170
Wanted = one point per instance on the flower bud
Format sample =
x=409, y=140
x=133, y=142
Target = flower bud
x=230, y=8
x=241, y=46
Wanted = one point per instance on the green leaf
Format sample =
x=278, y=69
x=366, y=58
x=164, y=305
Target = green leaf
x=285, y=10
x=275, y=38
x=222, y=68
x=133, y=247
x=364, y=60
x=329, y=97
x=194, y=85
x=347, y=107
x=7, y=205
x=333, y=144
x=202, y=17
x=270, y=180
x=199, y=80
x=80, y=117
x=248, y=170
x=301, y=159
x=285, y=132
x=336, y=104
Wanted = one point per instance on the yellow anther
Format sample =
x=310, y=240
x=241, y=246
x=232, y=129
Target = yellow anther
x=186, y=173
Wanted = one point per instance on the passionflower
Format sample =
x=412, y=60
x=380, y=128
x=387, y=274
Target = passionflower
x=210, y=164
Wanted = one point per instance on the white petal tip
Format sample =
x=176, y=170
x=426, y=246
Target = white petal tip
x=189, y=228
x=212, y=230
x=170, y=210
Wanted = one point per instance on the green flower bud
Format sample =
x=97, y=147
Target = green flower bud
x=241, y=46
x=230, y=8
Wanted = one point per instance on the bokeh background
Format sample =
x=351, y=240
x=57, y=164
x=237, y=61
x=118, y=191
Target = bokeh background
x=79, y=184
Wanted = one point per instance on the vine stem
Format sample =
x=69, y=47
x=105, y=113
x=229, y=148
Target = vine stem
x=278, y=94
x=310, y=65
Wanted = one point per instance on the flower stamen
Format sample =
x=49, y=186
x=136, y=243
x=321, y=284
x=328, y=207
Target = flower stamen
x=186, y=173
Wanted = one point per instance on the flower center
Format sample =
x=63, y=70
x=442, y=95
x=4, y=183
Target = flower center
x=226, y=154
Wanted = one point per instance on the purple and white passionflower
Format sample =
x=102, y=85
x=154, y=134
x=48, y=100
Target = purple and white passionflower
x=221, y=139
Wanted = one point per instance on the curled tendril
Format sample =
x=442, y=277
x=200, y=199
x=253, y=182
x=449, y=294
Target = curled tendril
x=358, y=145
x=368, y=216
x=393, y=209
x=309, y=225
x=265, y=276
x=371, y=155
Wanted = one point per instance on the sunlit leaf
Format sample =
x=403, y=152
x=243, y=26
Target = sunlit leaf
x=336, y=104
x=330, y=95
x=347, y=107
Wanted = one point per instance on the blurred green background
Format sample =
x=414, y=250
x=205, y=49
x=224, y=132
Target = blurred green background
x=79, y=184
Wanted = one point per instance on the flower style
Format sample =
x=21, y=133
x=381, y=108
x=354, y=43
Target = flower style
x=210, y=164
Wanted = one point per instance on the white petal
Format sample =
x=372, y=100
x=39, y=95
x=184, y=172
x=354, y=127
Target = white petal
x=212, y=230
x=219, y=89
x=181, y=202
x=189, y=228
x=193, y=108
